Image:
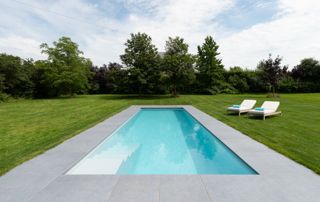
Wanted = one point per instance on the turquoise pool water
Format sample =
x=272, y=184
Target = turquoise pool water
x=162, y=141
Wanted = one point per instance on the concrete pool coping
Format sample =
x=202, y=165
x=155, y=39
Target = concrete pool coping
x=43, y=177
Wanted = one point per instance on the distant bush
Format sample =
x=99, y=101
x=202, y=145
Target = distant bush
x=288, y=85
x=16, y=76
x=307, y=75
x=3, y=97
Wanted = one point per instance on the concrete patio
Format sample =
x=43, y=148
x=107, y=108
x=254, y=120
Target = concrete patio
x=43, y=178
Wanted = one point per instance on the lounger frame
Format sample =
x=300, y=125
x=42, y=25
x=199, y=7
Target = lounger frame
x=265, y=115
x=239, y=112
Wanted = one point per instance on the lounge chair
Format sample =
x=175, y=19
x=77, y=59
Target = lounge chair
x=244, y=107
x=268, y=108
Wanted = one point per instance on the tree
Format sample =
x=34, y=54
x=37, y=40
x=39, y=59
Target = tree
x=98, y=81
x=109, y=78
x=117, y=78
x=307, y=75
x=15, y=75
x=178, y=65
x=238, y=79
x=66, y=71
x=271, y=71
x=142, y=59
x=209, y=66
x=255, y=83
x=2, y=87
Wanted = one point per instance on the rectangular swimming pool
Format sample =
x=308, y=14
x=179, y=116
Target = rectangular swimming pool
x=161, y=141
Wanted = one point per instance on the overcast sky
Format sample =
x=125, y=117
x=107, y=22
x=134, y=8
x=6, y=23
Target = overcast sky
x=246, y=30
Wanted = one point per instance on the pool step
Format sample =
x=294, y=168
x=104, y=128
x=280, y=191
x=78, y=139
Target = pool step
x=107, y=162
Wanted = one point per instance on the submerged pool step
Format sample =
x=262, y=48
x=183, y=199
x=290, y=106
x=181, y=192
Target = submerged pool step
x=107, y=162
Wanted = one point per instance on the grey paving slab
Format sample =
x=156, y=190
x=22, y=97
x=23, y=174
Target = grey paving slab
x=136, y=188
x=260, y=188
x=43, y=178
x=78, y=188
x=183, y=188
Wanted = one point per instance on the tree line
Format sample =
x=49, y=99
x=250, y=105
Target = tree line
x=144, y=70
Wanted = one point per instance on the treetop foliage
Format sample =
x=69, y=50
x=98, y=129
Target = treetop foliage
x=209, y=66
x=272, y=71
x=208, y=54
x=142, y=59
x=15, y=75
x=67, y=72
x=139, y=51
x=177, y=65
x=176, y=46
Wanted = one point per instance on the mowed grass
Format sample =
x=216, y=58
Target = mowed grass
x=30, y=127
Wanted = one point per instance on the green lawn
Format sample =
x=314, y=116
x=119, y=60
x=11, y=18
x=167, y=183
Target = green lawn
x=30, y=127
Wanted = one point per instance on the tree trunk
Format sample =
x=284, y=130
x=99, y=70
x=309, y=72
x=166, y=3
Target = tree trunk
x=273, y=91
x=140, y=94
x=174, y=91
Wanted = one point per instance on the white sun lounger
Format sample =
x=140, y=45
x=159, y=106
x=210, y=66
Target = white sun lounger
x=244, y=107
x=269, y=109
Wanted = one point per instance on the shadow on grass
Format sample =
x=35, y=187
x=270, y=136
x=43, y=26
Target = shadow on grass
x=136, y=97
x=245, y=116
x=275, y=117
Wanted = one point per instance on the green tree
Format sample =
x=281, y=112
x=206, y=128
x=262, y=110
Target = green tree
x=111, y=78
x=238, y=79
x=255, y=83
x=209, y=66
x=142, y=59
x=271, y=72
x=98, y=82
x=15, y=75
x=66, y=71
x=117, y=78
x=307, y=75
x=178, y=65
x=2, y=82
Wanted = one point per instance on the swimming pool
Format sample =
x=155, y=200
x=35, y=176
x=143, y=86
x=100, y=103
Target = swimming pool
x=161, y=141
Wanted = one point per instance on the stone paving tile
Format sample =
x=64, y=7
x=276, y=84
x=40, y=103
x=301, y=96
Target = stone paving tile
x=78, y=188
x=258, y=188
x=27, y=179
x=183, y=188
x=272, y=163
x=136, y=188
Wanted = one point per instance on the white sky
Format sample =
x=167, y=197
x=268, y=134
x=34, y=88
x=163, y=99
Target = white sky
x=246, y=30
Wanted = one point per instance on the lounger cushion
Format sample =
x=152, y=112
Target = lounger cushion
x=248, y=104
x=237, y=108
x=244, y=106
x=259, y=112
x=271, y=105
